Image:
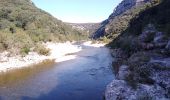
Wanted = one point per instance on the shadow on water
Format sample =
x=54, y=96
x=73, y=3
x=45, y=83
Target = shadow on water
x=16, y=75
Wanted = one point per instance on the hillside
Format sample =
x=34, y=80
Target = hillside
x=156, y=17
x=89, y=28
x=22, y=25
x=118, y=21
x=142, y=57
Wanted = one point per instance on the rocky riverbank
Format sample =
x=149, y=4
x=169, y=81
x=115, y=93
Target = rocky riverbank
x=145, y=73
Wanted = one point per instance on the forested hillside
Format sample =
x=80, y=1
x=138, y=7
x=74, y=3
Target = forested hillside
x=119, y=20
x=157, y=17
x=22, y=25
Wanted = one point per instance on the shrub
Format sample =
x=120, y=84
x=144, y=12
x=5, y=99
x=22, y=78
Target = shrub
x=40, y=49
x=25, y=50
x=125, y=44
x=1, y=47
x=105, y=39
x=139, y=72
x=130, y=79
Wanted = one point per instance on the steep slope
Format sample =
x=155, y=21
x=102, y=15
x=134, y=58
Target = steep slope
x=156, y=17
x=22, y=24
x=142, y=57
x=121, y=16
x=126, y=5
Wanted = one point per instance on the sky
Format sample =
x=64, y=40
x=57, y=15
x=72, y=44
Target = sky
x=78, y=11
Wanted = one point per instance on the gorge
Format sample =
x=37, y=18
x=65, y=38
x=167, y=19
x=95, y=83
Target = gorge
x=43, y=58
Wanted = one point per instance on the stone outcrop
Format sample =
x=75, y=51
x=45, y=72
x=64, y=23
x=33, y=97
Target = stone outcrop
x=168, y=46
x=145, y=74
x=154, y=86
x=119, y=90
x=123, y=72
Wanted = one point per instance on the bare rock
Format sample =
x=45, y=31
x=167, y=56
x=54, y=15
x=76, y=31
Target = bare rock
x=119, y=90
x=161, y=63
x=123, y=72
x=159, y=37
x=162, y=78
x=160, y=45
x=168, y=46
x=161, y=75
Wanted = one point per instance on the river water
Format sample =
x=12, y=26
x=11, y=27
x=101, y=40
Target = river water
x=82, y=78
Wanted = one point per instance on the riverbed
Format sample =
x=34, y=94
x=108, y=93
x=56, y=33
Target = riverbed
x=82, y=78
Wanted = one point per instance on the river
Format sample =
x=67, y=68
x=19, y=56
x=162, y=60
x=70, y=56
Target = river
x=82, y=78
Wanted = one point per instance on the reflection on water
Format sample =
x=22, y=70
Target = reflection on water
x=13, y=76
x=82, y=78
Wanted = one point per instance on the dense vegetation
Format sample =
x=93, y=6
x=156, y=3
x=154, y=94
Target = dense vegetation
x=114, y=26
x=22, y=25
x=158, y=15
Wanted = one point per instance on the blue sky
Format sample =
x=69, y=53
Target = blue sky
x=78, y=11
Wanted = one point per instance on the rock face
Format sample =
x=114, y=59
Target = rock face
x=159, y=37
x=145, y=74
x=153, y=84
x=124, y=6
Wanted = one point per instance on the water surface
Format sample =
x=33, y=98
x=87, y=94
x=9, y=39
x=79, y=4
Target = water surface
x=83, y=78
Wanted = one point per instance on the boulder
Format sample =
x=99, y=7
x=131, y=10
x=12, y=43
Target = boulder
x=123, y=72
x=119, y=90
x=159, y=37
x=168, y=46
x=151, y=46
x=163, y=63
